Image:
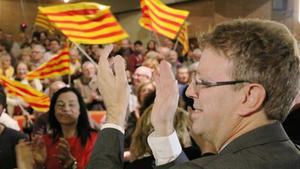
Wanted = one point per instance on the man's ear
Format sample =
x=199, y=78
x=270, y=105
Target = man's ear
x=253, y=97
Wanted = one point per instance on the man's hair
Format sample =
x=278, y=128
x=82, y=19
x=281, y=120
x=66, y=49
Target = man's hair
x=83, y=127
x=138, y=42
x=263, y=52
x=54, y=39
x=41, y=47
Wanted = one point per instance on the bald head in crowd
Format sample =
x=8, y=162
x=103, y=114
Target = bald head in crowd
x=196, y=54
x=55, y=86
x=163, y=53
x=37, y=52
x=142, y=74
x=88, y=70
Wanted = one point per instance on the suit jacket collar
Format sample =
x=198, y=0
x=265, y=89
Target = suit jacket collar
x=265, y=134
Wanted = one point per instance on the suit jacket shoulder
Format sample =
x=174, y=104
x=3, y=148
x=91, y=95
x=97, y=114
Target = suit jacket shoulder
x=267, y=147
x=108, y=150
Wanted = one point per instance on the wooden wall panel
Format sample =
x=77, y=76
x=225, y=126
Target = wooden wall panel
x=11, y=15
x=204, y=14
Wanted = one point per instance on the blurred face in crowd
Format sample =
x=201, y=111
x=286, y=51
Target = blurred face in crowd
x=151, y=45
x=54, y=46
x=9, y=37
x=182, y=75
x=196, y=55
x=142, y=74
x=145, y=90
x=215, y=106
x=6, y=61
x=88, y=70
x=67, y=108
x=74, y=55
x=168, y=43
x=95, y=48
x=163, y=53
x=55, y=86
x=125, y=43
x=22, y=70
x=37, y=53
x=172, y=57
x=138, y=48
x=43, y=36
x=25, y=55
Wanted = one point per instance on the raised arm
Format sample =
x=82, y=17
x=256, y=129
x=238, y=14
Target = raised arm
x=163, y=141
x=113, y=86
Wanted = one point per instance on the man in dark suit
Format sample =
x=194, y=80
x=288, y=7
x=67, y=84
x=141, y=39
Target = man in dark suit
x=244, y=86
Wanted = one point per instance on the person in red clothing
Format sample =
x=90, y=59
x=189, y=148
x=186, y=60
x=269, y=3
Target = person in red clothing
x=72, y=139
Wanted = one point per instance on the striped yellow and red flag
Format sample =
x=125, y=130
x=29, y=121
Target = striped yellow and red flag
x=36, y=99
x=158, y=17
x=42, y=21
x=57, y=66
x=183, y=38
x=87, y=23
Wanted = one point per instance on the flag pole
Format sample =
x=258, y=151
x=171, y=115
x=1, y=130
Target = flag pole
x=85, y=54
x=157, y=39
x=177, y=37
x=69, y=44
x=24, y=112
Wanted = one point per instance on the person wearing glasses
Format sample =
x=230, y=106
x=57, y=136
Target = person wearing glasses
x=244, y=87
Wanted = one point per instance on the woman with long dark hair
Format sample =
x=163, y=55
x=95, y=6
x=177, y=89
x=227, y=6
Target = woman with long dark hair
x=71, y=139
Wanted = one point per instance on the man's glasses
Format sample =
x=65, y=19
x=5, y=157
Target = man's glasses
x=207, y=84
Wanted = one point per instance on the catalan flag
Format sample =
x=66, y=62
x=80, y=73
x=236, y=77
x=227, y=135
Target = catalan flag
x=158, y=17
x=87, y=23
x=36, y=99
x=183, y=38
x=57, y=66
x=42, y=21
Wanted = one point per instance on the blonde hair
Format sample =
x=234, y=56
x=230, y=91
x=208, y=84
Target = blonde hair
x=151, y=63
x=139, y=145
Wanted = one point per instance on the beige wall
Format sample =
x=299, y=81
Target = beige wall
x=203, y=14
x=11, y=15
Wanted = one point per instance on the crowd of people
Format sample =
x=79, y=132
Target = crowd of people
x=220, y=105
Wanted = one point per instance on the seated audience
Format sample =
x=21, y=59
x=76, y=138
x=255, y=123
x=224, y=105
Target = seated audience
x=87, y=86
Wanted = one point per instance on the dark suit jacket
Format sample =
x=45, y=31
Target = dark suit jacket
x=267, y=147
x=108, y=150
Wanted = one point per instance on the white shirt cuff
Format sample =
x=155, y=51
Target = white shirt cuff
x=114, y=126
x=164, y=149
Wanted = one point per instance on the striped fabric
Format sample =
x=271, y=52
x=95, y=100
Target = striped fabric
x=36, y=99
x=160, y=18
x=87, y=23
x=183, y=38
x=57, y=66
x=42, y=21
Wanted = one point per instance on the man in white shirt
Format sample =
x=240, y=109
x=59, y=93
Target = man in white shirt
x=241, y=92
